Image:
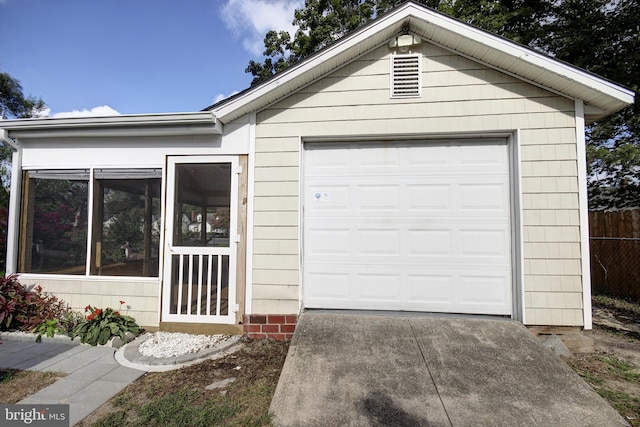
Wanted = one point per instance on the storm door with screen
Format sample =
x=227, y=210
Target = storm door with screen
x=200, y=253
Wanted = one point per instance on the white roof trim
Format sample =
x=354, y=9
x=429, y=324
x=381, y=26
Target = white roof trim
x=190, y=123
x=599, y=94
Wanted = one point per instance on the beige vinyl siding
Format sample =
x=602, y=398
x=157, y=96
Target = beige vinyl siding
x=458, y=96
x=275, y=247
x=141, y=297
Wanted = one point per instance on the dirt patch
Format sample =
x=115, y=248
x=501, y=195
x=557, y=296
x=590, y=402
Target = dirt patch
x=613, y=370
x=15, y=385
x=162, y=398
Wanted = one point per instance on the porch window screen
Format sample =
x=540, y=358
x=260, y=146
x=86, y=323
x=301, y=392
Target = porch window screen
x=54, y=222
x=125, y=225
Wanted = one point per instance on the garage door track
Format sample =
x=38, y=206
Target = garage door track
x=387, y=370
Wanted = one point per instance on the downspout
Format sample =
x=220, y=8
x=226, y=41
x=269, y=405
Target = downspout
x=14, y=201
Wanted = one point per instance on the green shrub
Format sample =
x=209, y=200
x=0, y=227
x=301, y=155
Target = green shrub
x=101, y=325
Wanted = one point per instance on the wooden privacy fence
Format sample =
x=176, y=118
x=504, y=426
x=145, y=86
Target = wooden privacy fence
x=614, y=238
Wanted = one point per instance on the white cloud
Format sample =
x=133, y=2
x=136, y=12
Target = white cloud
x=103, y=110
x=45, y=112
x=251, y=19
x=219, y=97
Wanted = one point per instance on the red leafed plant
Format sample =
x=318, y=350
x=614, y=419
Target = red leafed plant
x=24, y=309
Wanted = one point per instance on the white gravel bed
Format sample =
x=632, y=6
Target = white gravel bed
x=172, y=344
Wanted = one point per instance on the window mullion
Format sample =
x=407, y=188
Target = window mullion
x=90, y=221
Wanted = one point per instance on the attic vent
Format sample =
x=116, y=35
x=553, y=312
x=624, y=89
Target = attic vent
x=405, y=75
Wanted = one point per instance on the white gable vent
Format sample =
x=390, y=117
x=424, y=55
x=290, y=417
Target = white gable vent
x=405, y=75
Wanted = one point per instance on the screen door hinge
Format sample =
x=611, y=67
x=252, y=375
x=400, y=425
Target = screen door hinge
x=236, y=238
x=235, y=308
x=239, y=170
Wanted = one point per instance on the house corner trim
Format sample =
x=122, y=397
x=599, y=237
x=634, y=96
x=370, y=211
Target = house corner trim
x=583, y=200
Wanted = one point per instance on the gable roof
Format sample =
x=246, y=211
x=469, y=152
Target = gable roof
x=601, y=97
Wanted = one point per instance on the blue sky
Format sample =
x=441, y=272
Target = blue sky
x=135, y=56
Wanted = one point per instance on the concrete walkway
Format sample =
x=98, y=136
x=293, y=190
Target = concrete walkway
x=375, y=370
x=93, y=375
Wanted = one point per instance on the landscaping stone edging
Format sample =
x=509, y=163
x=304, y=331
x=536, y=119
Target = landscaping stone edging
x=129, y=355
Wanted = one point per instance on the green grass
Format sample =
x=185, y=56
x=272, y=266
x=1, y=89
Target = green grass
x=114, y=419
x=622, y=402
x=590, y=378
x=621, y=369
x=183, y=408
x=180, y=409
x=6, y=375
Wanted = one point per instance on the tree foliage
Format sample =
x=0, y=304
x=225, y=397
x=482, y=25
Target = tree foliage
x=319, y=23
x=13, y=105
x=600, y=36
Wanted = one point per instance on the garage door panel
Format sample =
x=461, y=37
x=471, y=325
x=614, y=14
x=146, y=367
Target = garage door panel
x=384, y=288
x=481, y=156
x=371, y=197
x=324, y=288
x=367, y=243
x=432, y=290
x=328, y=241
x=377, y=242
x=428, y=198
x=328, y=197
x=325, y=162
x=485, y=289
x=367, y=158
x=416, y=226
x=485, y=197
x=419, y=289
x=429, y=243
x=435, y=157
x=486, y=243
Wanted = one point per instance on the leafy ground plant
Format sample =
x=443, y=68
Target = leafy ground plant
x=103, y=324
x=48, y=328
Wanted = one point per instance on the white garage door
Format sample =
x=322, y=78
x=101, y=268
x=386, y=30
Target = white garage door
x=420, y=226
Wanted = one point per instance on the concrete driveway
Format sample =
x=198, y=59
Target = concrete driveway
x=393, y=370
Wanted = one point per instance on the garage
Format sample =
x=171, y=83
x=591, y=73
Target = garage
x=408, y=225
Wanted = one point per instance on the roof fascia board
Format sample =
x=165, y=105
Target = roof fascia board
x=201, y=122
x=526, y=54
